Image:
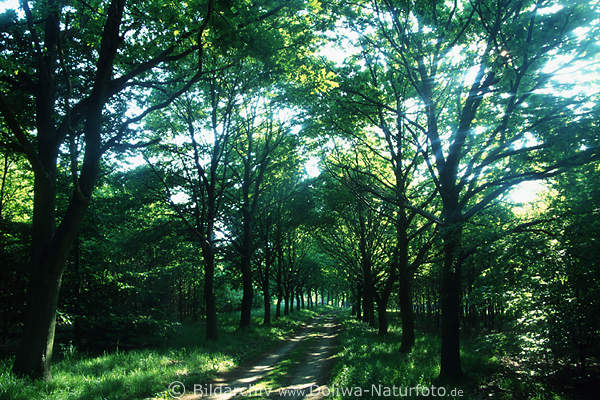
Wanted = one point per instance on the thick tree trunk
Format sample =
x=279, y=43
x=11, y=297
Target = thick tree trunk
x=406, y=313
x=50, y=249
x=35, y=351
x=369, y=305
x=450, y=366
x=49, y=255
x=382, y=314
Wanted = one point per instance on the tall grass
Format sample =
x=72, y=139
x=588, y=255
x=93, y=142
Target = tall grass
x=185, y=356
x=366, y=359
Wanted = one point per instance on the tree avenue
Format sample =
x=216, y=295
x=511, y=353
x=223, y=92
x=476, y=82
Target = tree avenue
x=424, y=173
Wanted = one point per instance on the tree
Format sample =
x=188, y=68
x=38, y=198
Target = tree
x=67, y=84
x=476, y=157
x=277, y=197
x=356, y=233
x=256, y=154
x=367, y=108
x=200, y=170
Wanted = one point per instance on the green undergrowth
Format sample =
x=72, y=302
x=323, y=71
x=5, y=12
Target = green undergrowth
x=366, y=360
x=185, y=356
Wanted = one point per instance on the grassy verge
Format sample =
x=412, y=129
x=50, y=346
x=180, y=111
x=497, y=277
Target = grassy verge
x=365, y=359
x=139, y=374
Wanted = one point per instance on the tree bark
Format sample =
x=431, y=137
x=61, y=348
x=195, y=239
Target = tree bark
x=278, y=307
x=267, y=301
x=450, y=366
x=48, y=264
x=406, y=313
x=382, y=314
x=35, y=351
x=209, y=292
x=246, y=255
x=3, y=183
x=279, y=252
x=50, y=244
x=368, y=305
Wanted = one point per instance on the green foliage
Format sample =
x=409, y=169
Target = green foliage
x=366, y=359
x=437, y=110
x=141, y=373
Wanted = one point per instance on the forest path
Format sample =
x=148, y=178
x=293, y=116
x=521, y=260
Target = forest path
x=298, y=369
x=309, y=379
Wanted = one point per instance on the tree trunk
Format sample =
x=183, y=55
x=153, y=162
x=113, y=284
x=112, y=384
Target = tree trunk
x=50, y=249
x=278, y=307
x=35, y=351
x=179, y=300
x=358, y=302
x=286, y=309
x=406, y=312
x=450, y=366
x=267, y=300
x=279, y=252
x=368, y=305
x=49, y=254
x=3, y=183
x=209, y=292
x=382, y=314
x=246, y=255
x=266, y=283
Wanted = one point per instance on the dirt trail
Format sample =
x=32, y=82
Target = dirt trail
x=311, y=373
x=310, y=379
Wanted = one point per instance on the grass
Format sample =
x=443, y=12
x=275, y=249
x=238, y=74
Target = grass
x=140, y=374
x=366, y=359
